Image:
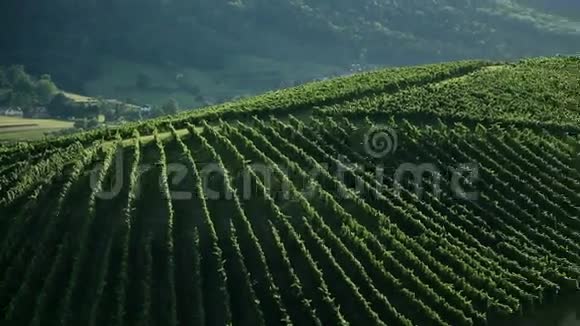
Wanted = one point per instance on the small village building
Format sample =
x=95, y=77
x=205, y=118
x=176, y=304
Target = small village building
x=145, y=109
x=39, y=113
x=13, y=112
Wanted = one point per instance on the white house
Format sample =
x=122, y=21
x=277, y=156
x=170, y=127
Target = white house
x=145, y=109
x=13, y=112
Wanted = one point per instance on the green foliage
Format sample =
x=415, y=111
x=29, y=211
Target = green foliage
x=288, y=219
x=87, y=124
x=23, y=90
x=46, y=90
x=81, y=124
x=171, y=107
x=209, y=37
x=16, y=74
x=93, y=123
x=22, y=100
x=62, y=106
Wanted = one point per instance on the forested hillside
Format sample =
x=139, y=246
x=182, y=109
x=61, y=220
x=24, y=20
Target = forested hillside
x=246, y=46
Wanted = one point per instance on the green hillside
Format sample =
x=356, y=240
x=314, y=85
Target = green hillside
x=429, y=195
x=223, y=49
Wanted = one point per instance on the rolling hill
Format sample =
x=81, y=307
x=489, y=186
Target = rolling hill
x=440, y=194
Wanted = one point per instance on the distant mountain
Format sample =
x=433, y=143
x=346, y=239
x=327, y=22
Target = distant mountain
x=77, y=41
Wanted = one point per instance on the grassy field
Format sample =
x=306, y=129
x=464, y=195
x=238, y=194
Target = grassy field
x=12, y=128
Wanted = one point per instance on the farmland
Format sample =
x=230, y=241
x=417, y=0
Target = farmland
x=432, y=195
x=28, y=129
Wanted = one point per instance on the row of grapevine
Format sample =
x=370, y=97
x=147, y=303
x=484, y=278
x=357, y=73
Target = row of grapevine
x=167, y=288
x=492, y=176
x=323, y=257
x=266, y=289
x=482, y=95
x=245, y=305
x=392, y=280
x=301, y=142
x=217, y=302
x=359, y=212
x=515, y=275
x=188, y=216
x=256, y=205
x=82, y=239
x=338, y=269
x=477, y=227
x=40, y=172
x=506, y=219
x=24, y=278
x=375, y=195
x=246, y=222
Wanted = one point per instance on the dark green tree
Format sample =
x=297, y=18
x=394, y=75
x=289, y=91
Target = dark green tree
x=23, y=100
x=45, y=90
x=60, y=106
x=81, y=124
x=93, y=123
x=171, y=107
x=21, y=82
x=156, y=111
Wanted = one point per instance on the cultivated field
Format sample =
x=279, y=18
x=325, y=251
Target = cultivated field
x=435, y=195
x=29, y=129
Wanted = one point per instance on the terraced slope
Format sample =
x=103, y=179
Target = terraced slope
x=314, y=206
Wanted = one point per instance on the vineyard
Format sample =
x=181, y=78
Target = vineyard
x=435, y=195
